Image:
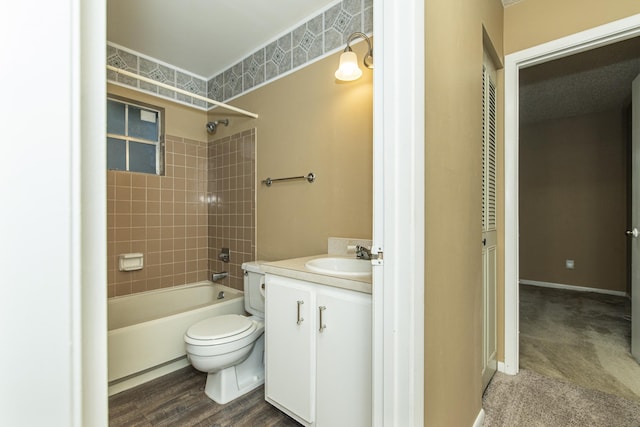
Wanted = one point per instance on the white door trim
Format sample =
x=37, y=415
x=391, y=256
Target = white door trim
x=586, y=40
x=398, y=218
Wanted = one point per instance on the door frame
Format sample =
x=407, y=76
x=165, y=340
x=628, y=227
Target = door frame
x=398, y=309
x=579, y=42
x=398, y=213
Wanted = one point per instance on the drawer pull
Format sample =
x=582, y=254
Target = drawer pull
x=322, y=308
x=300, y=319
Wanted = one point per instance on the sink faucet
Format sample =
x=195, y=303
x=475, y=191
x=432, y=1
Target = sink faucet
x=362, y=252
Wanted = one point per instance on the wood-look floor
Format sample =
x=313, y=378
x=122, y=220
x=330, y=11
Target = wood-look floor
x=178, y=399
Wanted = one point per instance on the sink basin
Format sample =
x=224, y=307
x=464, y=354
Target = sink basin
x=342, y=266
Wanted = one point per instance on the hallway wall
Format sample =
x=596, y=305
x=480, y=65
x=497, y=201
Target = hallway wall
x=573, y=201
x=454, y=43
x=533, y=22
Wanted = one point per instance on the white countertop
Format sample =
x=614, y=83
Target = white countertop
x=295, y=269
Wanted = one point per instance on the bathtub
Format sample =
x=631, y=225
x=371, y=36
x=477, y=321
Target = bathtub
x=145, y=337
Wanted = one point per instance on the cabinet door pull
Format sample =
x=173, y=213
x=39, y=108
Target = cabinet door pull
x=300, y=319
x=322, y=308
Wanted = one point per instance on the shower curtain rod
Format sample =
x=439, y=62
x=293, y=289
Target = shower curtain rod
x=184, y=92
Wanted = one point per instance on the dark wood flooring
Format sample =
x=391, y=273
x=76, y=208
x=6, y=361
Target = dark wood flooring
x=178, y=399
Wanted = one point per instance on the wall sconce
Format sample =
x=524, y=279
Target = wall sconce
x=348, y=69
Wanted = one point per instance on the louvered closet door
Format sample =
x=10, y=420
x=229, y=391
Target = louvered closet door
x=489, y=233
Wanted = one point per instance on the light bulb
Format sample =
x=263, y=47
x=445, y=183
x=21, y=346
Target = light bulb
x=348, y=69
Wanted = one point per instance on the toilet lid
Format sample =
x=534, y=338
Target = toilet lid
x=219, y=327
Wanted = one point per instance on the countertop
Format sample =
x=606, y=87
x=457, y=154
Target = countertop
x=295, y=269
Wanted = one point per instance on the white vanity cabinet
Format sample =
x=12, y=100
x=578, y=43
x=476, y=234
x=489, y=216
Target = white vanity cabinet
x=318, y=352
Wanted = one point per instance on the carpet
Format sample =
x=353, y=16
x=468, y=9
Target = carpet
x=534, y=400
x=582, y=337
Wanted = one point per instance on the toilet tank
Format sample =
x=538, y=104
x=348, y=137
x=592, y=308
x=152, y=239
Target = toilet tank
x=253, y=288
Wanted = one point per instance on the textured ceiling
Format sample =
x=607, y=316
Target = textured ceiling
x=203, y=36
x=592, y=81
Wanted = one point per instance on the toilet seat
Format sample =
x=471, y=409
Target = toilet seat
x=219, y=330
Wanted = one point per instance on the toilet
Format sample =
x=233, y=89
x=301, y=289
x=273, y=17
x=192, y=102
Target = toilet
x=230, y=348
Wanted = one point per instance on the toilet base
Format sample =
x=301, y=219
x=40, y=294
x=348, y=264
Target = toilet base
x=230, y=383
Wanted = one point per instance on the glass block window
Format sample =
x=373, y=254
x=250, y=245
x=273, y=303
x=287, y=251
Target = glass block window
x=135, y=137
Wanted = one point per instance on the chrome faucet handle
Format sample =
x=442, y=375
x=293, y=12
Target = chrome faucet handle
x=362, y=252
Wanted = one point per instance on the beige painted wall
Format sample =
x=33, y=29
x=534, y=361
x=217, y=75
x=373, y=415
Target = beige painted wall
x=573, y=201
x=532, y=22
x=453, y=132
x=310, y=123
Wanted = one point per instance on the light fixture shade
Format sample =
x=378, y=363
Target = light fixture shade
x=348, y=69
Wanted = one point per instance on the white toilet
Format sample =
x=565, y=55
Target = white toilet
x=230, y=348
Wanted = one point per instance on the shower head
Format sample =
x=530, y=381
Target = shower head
x=211, y=126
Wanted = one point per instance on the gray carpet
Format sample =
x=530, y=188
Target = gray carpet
x=534, y=400
x=576, y=367
x=582, y=337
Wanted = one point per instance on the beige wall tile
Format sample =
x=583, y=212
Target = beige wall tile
x=139, y=246
x=138, y=207
x=153, y=245
x=139, y=180
x=153, y=181
x=138, y=220
x=122, y=289
x=123, y=179
x=153, y=220
x=139, y=193
x=138, y=286
x=153, y=207
x=138, y=233
x=153, y=233
x=153, y=272
x=169, y=219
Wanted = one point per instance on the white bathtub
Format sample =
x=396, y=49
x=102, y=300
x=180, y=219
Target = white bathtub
x=145, y=338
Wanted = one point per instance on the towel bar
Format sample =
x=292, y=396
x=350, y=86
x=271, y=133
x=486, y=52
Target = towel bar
x=310, y=177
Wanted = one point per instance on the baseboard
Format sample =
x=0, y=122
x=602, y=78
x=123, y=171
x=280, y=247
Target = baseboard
x=572, y=287
x=135, y=380
x=479, y=419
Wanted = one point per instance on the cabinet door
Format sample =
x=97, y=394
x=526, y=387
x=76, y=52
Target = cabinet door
x=290, y=346
x=343, y=358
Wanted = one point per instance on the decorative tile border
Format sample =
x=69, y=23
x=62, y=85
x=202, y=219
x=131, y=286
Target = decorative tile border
x=319, y=36
x=309, y=41
x=127, y=59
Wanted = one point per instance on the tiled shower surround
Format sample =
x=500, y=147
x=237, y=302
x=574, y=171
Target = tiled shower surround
x=162, y=217
x=173, y=219
x=318, y=36
x=232, y=207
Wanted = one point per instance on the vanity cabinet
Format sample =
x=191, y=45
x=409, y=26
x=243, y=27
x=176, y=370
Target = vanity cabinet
x=318, y=352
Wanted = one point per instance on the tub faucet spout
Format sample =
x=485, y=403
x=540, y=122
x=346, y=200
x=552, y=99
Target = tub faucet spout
x=218, y=276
